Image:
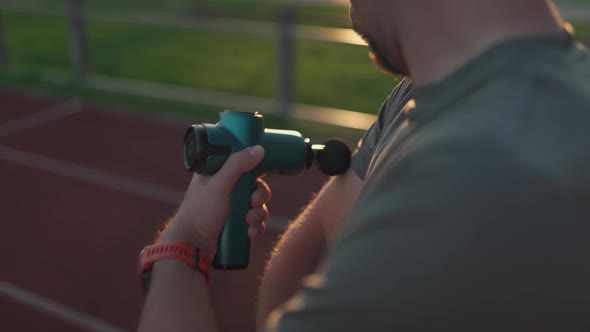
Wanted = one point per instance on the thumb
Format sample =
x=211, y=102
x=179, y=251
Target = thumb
x=238, y=164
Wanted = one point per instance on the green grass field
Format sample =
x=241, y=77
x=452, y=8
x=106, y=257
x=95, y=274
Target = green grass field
x=326, y=74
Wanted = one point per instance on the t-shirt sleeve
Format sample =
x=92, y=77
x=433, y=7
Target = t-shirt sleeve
x=389, y=109
x=438, y=246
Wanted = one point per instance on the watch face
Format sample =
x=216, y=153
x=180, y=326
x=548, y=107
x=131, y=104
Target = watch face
x=146, y=277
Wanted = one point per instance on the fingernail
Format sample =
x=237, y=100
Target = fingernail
x=256, y=151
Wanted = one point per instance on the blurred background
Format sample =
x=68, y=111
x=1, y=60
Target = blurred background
x=95, y=96
x=288, y=54
x=199, y=56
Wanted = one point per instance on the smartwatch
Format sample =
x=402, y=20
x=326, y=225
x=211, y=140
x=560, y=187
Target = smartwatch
x=192, y=256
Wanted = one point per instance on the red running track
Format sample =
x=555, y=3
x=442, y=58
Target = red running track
x=82, y=190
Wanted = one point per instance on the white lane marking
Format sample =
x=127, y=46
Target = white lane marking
x=36, y=119
x=57, y=310
x=124, y=184
x=89, y=175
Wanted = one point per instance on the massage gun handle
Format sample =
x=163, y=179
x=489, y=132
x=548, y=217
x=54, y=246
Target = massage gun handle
x=233, y=249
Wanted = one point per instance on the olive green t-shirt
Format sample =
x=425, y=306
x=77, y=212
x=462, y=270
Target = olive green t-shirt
x=475, y=215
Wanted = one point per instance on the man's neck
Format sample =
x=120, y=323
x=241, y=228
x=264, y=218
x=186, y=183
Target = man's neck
x=434, y=54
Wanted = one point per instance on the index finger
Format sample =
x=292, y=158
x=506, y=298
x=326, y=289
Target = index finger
x=237, y=165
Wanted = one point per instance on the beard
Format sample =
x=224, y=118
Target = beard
x=379, y=58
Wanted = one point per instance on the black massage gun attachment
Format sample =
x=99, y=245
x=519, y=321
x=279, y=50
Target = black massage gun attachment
x=332, y=157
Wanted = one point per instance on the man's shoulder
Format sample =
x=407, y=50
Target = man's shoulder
x=531, y=121
x=466, y=182
x=553, y=136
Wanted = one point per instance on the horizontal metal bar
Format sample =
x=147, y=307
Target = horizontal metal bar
x=223, y=100
x=226, y=25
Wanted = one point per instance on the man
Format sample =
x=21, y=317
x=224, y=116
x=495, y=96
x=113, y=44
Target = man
x=306, y=240
x=474, y=210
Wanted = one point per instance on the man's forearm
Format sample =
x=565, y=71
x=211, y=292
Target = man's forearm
x=304, y=244
x=296, y=255
x=178, y=300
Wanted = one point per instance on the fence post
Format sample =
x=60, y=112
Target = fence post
x=78, y=46
x=199, y=7
x=285, y=62
x=3, y=50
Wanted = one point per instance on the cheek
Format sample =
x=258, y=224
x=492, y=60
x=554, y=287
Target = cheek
x=363, y=18
x=352, y=17
x=357, y=22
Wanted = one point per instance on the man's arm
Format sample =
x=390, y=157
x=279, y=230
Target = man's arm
x=303, y=244
x=178, y=298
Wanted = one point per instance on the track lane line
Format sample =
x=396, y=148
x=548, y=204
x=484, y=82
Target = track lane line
x=57, y=310
x=93, y=176
x=41, y=117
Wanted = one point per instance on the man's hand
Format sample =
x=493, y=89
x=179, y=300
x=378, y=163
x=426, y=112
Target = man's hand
x=205, y=208
x=178, y=299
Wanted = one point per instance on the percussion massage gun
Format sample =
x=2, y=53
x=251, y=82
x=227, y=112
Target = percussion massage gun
x=208, y=146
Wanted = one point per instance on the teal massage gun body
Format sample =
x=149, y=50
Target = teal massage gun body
x=208, y=146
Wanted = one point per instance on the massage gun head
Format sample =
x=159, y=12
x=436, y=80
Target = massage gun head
x=197, y=149
x=332, y=157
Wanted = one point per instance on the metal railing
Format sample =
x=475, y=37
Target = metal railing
x=286, y=32
x=3, y=53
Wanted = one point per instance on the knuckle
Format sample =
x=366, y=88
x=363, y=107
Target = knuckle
x=252, y=216
x=256, y=216
x=261, y=215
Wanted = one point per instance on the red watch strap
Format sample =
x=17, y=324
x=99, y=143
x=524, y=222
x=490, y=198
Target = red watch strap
x=171, y=250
